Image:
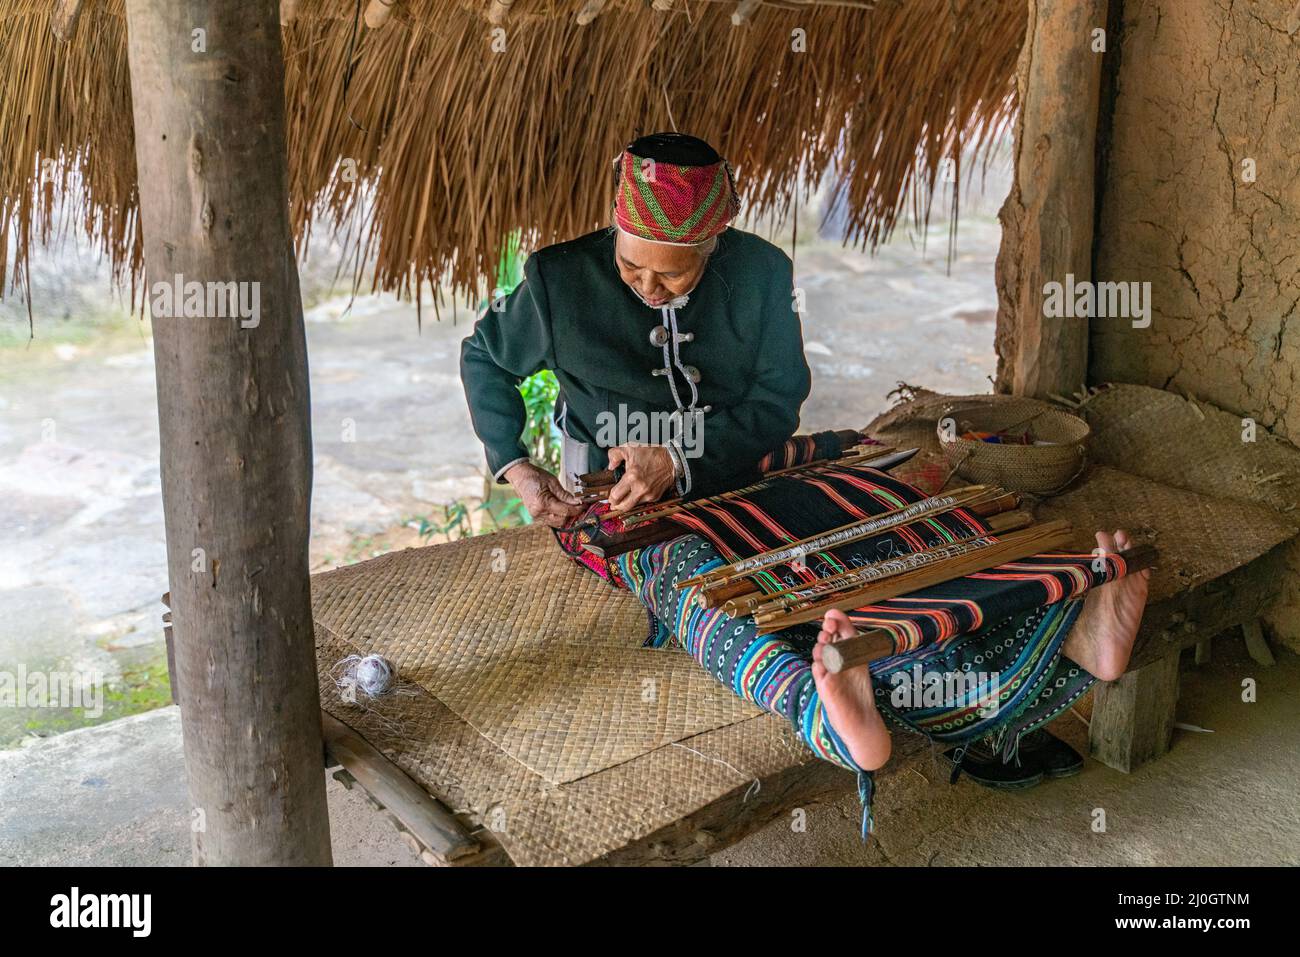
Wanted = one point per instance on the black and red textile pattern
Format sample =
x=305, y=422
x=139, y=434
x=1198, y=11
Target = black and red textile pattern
x=786, y=509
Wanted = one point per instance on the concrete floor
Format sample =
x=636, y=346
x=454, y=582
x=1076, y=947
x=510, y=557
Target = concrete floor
x=115, y=794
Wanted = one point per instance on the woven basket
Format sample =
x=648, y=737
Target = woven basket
x=1037, y=469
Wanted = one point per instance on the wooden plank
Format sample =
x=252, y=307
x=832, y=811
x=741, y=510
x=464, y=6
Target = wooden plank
x=1133, y=718
x=1226, y=602
x=423, y=816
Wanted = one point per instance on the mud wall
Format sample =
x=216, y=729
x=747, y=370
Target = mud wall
x=1200, y=196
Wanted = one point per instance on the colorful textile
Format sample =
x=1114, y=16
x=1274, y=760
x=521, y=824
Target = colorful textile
x=771, y=671
x=597, y=523
x=669, y=202
x=784, y=509
x=977, y=658
x=801, y=449
x=998, y=683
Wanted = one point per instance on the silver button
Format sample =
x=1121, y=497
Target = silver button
x=658, y=371
x=658, y=336
x=685, y=337
x=692, y=373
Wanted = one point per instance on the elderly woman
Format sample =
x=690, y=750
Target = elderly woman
x=672, y=316
x=674, y=339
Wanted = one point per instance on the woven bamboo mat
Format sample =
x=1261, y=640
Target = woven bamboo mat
x=541, y=657
x=1192, y=445
x=526, y=706
x=753, y=768
x=1199, y=537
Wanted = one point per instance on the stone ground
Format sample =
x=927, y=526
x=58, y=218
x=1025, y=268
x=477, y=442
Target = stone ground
x=115, y=794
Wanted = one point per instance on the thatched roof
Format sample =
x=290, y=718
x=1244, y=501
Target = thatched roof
x=456, y=145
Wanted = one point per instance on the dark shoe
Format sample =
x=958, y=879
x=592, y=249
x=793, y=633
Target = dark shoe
x=1053, y=756
x=986, y=768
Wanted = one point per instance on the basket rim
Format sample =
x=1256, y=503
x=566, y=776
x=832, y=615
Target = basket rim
x=1004, y=401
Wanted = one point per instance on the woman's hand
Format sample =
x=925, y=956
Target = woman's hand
x=543, y=495
x=647, y=474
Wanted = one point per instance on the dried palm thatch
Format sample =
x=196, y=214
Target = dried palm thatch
x=427, y=139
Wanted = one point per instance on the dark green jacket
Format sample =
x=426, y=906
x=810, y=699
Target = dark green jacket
x=574, y=315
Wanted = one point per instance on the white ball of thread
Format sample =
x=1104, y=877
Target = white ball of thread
x=374, y=675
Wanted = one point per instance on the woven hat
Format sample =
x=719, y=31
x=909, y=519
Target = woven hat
x=673, y=188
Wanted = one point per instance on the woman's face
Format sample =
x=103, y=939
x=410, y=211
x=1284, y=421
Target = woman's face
x=658, y=271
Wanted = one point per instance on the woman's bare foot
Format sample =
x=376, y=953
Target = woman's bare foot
x=847, y=697
x=1102, y=637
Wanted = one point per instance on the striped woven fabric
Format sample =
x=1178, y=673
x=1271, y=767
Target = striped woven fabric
x=799, y=449
x=597, y=523
x=785, y=509
x=1019, y=680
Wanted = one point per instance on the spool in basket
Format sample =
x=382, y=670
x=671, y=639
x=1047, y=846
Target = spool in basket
x=1036, y=469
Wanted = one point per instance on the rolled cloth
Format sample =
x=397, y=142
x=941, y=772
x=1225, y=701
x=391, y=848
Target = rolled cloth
x=673, y=188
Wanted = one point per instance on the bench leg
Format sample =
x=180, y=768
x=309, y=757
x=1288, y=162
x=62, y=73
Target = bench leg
x=1133, y=718
x=1256, y=644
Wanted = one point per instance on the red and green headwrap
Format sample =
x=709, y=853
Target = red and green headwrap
x=673, y=188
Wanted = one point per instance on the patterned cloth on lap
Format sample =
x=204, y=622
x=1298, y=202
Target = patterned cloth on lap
x=992, y=639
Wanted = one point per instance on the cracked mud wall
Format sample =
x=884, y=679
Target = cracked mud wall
x=1204, y=89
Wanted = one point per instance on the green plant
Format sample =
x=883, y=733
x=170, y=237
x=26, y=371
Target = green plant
x=458, y=518
x=540, y=437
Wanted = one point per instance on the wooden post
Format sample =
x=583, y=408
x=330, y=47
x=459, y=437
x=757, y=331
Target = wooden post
x=1047, y=219
x=207, y=86
x=1133, y=718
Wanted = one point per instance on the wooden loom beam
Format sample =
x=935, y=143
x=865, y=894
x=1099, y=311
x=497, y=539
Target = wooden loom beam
x=878, y=643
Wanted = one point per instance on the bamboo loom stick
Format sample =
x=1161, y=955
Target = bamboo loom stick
x=755, y=601
x=663, y=509
x=964, y=497
x=652, y=529
x=869, y=646
x=937, y=567
x=741, y=584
